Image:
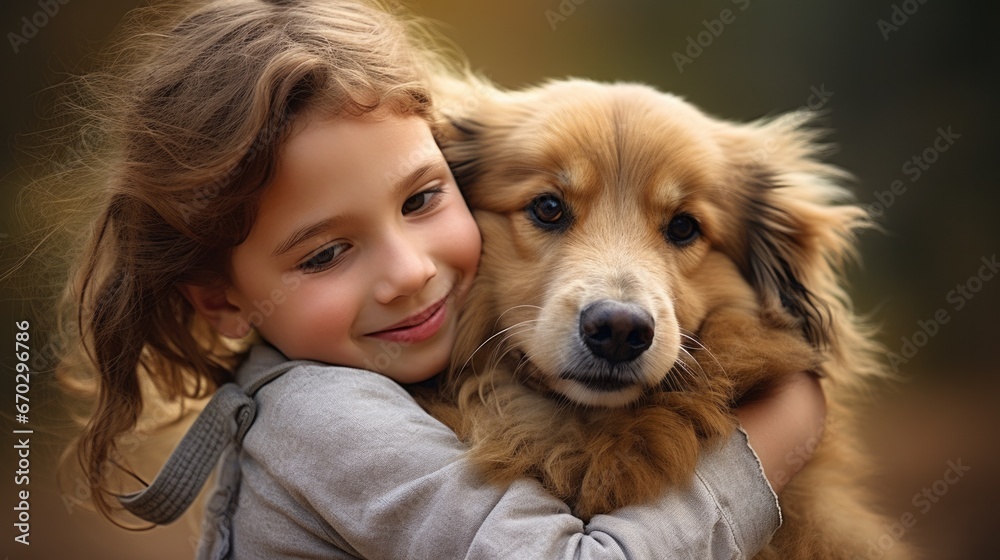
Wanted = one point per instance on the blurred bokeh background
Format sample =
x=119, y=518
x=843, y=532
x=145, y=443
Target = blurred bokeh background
x=909, y=89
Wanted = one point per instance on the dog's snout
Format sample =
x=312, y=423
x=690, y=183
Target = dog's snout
x=616, y=331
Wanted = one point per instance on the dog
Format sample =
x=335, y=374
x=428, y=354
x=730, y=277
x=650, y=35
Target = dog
x=645, y=268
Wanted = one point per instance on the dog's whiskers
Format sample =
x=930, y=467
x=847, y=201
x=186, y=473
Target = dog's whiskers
x=521, y=363
x=690, y=363
x=487, y=341
x=684, y=368
x=513, y=308
x=701, y=346
x=500, y=349
x=694, y=339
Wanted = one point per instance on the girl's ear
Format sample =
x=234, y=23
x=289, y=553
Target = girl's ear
x=213, y=303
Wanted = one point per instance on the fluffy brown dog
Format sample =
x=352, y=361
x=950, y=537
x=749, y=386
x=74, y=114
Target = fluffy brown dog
x=645, y=267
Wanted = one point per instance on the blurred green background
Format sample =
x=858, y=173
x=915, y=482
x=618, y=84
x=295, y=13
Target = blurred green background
x=890, y=76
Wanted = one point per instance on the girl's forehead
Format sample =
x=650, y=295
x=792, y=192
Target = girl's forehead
x=344, y=142
x=346, y=167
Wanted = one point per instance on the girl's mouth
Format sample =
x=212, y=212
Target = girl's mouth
x=417, y=327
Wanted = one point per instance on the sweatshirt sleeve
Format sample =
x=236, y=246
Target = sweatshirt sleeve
x=383, y=479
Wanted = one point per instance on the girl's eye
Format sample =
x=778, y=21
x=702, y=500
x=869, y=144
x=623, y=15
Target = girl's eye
x=424, y=200
x=325, y=258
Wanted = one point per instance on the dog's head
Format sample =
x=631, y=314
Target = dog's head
x=601, y=209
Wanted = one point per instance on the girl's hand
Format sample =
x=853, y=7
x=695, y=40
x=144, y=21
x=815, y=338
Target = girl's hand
x=788, y=420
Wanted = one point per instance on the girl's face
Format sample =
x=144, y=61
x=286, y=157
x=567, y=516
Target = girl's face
x=362, y=251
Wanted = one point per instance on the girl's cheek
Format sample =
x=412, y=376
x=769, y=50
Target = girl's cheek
x=290, y=281
x=472, y=241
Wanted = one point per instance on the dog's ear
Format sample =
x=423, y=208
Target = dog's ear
x=466, y=109
x=797, y=229
x=462, y=148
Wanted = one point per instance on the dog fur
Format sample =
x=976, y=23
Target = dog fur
x=578, y=189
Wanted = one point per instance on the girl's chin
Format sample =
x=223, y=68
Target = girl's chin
x=407, y=364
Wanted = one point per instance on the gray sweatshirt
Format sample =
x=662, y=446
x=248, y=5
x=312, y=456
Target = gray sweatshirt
x=342, y=463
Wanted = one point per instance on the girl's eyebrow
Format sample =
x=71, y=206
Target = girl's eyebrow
x=416, y=174
x=304, y=233
x=399, y=189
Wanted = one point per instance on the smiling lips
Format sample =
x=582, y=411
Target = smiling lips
x=417, y=327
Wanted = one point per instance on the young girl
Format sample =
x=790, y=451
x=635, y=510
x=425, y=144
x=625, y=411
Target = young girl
x=277, y=182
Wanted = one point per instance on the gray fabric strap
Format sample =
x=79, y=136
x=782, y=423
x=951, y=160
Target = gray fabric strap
x=226, y=418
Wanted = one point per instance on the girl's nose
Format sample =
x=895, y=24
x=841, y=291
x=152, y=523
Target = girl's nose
x=406, y=268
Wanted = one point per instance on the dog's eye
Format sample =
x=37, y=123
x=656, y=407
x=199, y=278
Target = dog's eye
x=549, y=212
x=682, y=229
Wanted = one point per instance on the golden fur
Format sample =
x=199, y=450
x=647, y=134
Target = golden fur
x=753, y=296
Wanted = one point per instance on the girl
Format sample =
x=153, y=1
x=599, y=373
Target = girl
x=278, y=204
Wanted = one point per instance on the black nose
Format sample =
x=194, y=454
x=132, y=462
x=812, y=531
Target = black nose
x=616, y=331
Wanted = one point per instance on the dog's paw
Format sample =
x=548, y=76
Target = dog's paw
x=633, y=458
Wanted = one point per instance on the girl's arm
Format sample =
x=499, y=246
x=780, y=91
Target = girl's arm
x=345, y=459
x=789, y=419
